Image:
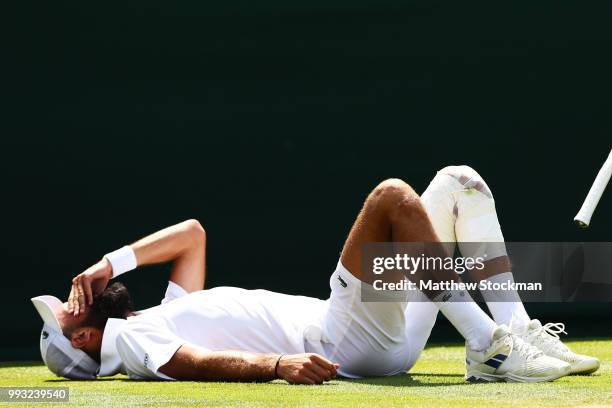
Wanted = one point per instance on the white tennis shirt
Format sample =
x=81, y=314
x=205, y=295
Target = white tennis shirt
x=223, y=318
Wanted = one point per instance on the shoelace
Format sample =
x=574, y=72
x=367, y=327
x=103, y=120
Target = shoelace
x=552, y=331
x=524, y=348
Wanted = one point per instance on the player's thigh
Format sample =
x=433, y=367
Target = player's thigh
x=374, y=223
x=374, y=338
x=356, y=329
x=370, y=226
x=374, y=362
x=421, y=315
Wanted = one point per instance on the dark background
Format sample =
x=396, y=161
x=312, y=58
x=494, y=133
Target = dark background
x=271, y=122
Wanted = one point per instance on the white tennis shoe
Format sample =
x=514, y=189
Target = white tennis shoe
x=511, y=359
x=546, y=338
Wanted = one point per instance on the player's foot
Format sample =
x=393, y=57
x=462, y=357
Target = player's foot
x=511, y=359
x=546, y=338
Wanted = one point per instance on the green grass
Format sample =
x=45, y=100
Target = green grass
x=436, y=380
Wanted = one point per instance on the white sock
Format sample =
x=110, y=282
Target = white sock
x=506, y=305
x=475, y=326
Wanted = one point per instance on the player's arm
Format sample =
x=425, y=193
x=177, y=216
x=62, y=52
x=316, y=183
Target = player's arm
x=196, y=364
x=183, y=244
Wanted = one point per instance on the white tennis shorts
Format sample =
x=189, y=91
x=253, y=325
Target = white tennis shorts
x=372, y=338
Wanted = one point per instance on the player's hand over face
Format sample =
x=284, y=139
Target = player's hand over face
x=87, y=284
x=307, y=368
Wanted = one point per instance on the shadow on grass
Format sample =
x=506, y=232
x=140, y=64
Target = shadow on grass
x=67, y=381
x=8, y=364
x=402, y=380
x=413, y=380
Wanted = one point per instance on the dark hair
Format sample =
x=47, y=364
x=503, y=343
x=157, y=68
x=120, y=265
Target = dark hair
x=112, y=302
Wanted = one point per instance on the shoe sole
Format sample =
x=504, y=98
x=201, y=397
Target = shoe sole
x=584, y=369
x=476, y=376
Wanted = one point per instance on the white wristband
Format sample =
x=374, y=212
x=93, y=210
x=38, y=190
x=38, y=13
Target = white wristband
x=122, y=260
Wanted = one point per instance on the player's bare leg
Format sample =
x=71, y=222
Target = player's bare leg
x=394, y=212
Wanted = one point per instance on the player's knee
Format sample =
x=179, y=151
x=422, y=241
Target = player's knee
x=460, y=170
x=399, y=198
x=393, y=189
x=195, y=230
x=468, y=178
x=408, y=207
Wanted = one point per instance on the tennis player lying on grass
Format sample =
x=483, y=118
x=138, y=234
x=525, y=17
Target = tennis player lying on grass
x=255, y=335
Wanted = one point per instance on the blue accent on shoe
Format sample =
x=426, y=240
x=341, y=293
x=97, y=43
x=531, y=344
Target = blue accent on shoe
x=500, y=357
x=493, y=363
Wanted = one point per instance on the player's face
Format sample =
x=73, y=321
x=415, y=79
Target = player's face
x=67, y=320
